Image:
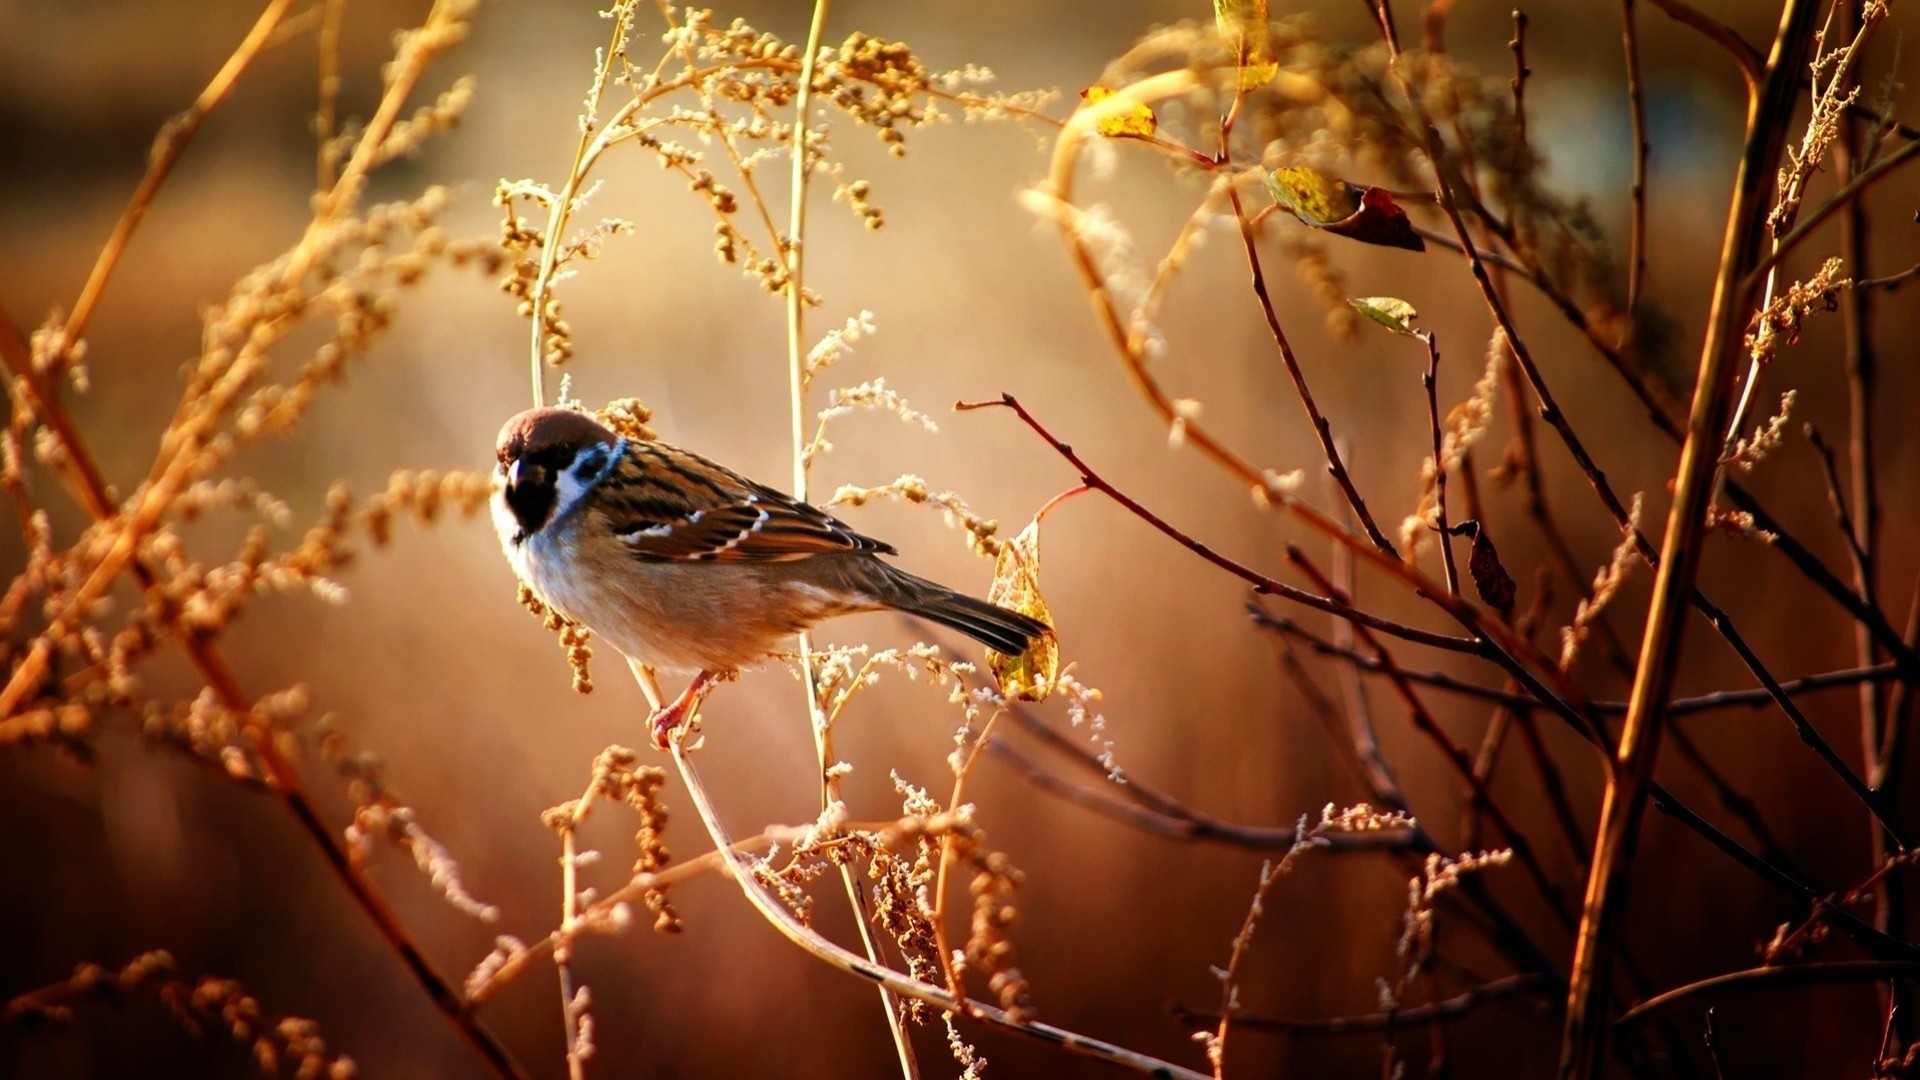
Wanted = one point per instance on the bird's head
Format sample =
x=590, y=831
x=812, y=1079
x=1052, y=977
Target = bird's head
x=545, y=459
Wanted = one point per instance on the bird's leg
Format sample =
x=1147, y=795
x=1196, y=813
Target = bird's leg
x=649, y=685
x=669, y=717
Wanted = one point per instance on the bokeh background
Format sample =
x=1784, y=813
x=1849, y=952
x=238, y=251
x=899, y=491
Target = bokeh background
x=431, y=663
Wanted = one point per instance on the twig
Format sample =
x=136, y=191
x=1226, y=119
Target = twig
x=834, y=956
x=1455, y=757
x=1518, y=84
x=1747, y=58
x=1429, y=381
x=1368, y=1023
x=1713, y=1049
x=1718, y=699
x=1862, y=527
x=1883, y=811
x=796, y=305
x=1810, y=566
x=1889, y=283
x=327, y=154
x=1769, y=978
x=577, y=1048
x=1186, y=825
x=168, y=147
x=1362, y=751
x=1322, y=429
x=1362, y=738
x=1841, y=198
x=1261, y=583
x=1743, y=809
x=1850, y=530
x=1637, y=107
x=1873, y=941
x=1584, y=1047
x=281, y=775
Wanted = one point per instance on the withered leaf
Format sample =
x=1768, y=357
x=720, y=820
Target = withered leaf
x=1369, y=214
x=1118, y=117
x=1016, y=585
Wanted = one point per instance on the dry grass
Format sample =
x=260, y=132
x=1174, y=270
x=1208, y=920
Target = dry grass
x=1289, y=141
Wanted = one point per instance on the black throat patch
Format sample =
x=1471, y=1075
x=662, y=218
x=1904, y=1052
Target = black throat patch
x=531, y=497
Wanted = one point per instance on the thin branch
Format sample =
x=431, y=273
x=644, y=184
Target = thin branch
x=1321, y=428
x=1457, y=758
x=1518, y=83
x=1874, y=942
x=1840, y=199
x=1370, y=1023
x=1758, y=979
x=168, y=147
x=1261, y=583
x=1889, y=283
x=89, y=489
x=1637, y=108
x=1718, y=699
x=1747, y=58
x=1584, y=1047
x=1814, y=570
x=858, y=966
x=1186, y=825
x=1429, y=381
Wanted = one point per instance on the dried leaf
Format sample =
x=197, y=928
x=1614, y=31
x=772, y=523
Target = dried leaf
x=1389, y=311
x=1243, y=27
x=1118, y=117
x=1490, y=577
x=1368, y=215
x=1016, y=585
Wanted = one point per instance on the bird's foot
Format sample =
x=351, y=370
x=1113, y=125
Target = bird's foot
x=671, y=719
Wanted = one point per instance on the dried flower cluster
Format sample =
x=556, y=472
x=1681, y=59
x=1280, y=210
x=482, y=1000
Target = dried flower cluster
x=206, y=1006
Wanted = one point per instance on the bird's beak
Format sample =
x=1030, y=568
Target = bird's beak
x=513, y=474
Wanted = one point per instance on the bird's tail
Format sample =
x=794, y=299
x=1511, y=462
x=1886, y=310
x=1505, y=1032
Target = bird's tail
x=1000, y=629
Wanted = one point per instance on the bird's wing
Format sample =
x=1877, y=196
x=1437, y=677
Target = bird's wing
x=670, y=505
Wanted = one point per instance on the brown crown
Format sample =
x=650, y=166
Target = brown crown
x=542, y=429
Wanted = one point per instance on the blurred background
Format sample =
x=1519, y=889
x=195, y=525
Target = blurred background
x=432, y=664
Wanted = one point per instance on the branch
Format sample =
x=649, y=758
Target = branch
x=1367, y=1023
x=1262, y=584
x=1769, y=978
x=860, y=967
x=1584, y=1048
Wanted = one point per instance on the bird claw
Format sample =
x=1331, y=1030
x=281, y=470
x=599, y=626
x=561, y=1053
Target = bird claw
x=673, y=719
x=667, y=720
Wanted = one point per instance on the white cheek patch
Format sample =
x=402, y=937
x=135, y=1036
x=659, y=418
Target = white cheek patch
x=504, y=522
x=574, y=483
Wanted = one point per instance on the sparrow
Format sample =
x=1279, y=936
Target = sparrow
x=685, y=565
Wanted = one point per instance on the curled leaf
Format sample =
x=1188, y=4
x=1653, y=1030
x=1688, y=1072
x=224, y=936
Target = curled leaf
x=1118, y=117
x=1367, y=214
x=1389, y=311
x=1243, y=27
x=1490, y=577
x=1016, y=585
x=1311, y=195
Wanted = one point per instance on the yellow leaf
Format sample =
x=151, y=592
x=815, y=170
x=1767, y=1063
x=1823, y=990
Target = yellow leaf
x=1243, y=27
x=1016, y=585
x=1311, y=195
x=1389, y=311
x=1118, y=117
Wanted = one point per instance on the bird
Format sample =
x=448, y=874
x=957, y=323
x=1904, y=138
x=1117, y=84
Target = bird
x=684, y=565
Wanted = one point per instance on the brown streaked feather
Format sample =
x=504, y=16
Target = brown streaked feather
x=670, y=505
